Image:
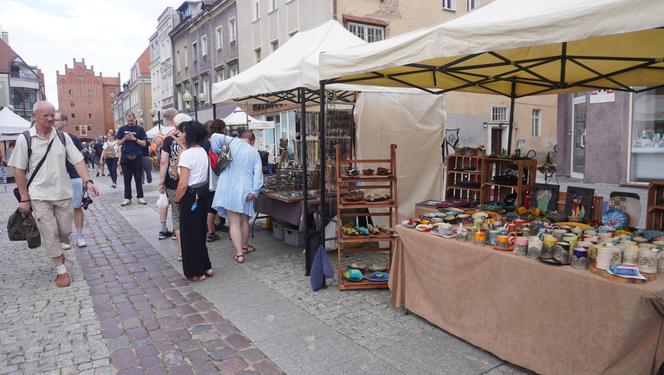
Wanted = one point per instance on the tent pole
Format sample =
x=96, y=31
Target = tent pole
x=214, y=111
x=323, y=164
x=511, y=126
x=308, y=258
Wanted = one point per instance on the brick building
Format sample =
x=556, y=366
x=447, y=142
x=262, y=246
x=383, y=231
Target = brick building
x=87, y=99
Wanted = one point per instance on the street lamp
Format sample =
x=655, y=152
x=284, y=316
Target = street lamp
x=158, y=113
x=199, y=99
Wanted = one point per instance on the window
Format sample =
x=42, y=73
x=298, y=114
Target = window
x=472, y=4
x=449, y=5
x=178, y=61
x=186, y=58
x=292, y=33
x=84, y=130
x=73, y=115
x=274, y=4
x=69, y=91
x=219, y=31
x=257, y=9
x=257, y=54
x=89, y=115
x=274, y=44
x=233, y=70
x=219, y=74
x=537, y=125
x=194, y=51
x=368, y=33
x=206, y=85
x=72, y=104
x=647, y=127
x=204, y=45
x=195, y=89
x=232, y=30
x=499, y=113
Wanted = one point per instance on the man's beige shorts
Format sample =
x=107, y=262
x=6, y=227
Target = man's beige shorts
x=54, y=219
x=175, y=210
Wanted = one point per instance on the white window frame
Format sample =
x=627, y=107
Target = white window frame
x=257, y=10
x=233, y=71
x=356, y=27
x=219, y=32
x=472, y=5
x=258, y=54
x=194, y=51
x=219, y=74
x=449, y=5
x=186, y=58
x=495, y=109
x=204, y=49
x=274, y=5
x=206, y=84
x=273, y=44
x=536, y=127
x=232, y=30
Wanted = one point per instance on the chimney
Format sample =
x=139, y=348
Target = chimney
x=5, y=37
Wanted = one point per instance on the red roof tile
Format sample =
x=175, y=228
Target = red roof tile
x=7, y=54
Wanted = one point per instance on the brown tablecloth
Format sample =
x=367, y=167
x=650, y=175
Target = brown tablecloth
x=291, y=213
x=552, y=320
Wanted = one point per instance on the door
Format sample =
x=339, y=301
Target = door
x=578, y=137
x=496, y=141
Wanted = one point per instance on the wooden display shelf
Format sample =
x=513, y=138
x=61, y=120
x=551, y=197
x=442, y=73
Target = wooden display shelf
x=386, y=209
x=363, y=284
x=526, y=172
x=455, y=174
x=655, y=211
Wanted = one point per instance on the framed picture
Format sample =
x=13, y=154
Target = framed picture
x=579, y=202
x=545, y=197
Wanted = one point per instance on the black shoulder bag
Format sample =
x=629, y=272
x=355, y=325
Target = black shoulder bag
x=17, y=194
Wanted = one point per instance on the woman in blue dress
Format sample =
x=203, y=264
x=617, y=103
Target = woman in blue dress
x=238, y=187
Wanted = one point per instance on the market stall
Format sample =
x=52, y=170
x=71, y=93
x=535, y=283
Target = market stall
x=590, y=298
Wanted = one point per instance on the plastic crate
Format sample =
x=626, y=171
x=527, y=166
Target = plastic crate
x=293, y=237
x=277, y=230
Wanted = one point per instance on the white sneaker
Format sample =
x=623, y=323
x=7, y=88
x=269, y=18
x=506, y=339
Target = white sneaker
x=125, y=202
x=142, y=201
x=65, y=246
x=81, y=242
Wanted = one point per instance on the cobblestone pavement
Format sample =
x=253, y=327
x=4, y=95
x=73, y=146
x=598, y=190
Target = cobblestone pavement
x=127, y=310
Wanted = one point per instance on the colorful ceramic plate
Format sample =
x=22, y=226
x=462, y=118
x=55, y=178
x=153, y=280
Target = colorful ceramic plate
x=615, y=218
x=405, y=224
x=353, y=275
x=550, y=261
x=378, y=276
x=480, y=215
x=510, y=248
x=424, y=227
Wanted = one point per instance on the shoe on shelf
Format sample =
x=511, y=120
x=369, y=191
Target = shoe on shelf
x=62, y=280
x=125, y=202
x=212, y=237
x=65, y=246
x=142, y=201
x=165, y=234
x=80, y=242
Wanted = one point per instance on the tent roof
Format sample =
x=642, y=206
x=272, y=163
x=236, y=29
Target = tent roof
x=11, y=123
x=291, y=66
x=541, y=46
x=154, y=131
x=240, y=117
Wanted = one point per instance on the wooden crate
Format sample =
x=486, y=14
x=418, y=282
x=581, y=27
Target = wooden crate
x=655, y=213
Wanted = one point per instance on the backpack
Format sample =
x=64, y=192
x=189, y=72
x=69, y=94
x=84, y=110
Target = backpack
x=28, y=140
x=109, y=152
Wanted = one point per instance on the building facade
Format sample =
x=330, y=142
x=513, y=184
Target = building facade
x=87, y=99
x=205, y=45
x=21, y=84
x=611, y=137
x=136, y=94
x=161, y=64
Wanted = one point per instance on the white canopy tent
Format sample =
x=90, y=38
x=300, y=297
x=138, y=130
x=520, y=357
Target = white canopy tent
x=240, y=117
x=12, y=124
x=154, y=132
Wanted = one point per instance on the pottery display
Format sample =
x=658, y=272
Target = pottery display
x=648, y=260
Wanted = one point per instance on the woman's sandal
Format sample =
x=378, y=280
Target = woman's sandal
x=247, y=251
x=237, y=258
x=197, y=278
x=209, y=273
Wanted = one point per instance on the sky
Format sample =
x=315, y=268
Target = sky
x=109, y=34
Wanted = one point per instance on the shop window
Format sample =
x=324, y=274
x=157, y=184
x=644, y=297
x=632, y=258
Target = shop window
x=449, y=5
x=647, y=148
x=536, y=123
x=499, y=113
x=368, y=33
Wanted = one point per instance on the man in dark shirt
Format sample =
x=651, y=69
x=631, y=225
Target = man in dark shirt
x=76, y=186
x=132, y=139
x=99, y=147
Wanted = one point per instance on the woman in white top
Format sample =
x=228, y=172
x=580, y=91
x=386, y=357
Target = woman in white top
x=192, y=195
x=109, y=155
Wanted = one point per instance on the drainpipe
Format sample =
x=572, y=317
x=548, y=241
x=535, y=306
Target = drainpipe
x=334, y=10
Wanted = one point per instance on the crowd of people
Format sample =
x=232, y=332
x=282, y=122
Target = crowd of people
x=201, y=201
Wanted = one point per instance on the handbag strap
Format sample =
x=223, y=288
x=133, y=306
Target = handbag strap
x=41, y=162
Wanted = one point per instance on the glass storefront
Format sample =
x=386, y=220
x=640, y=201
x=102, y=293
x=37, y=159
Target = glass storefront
x=647, y=148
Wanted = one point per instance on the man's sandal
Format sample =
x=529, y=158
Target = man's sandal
x=249, y=249
x=238, y=257
x=62, y=280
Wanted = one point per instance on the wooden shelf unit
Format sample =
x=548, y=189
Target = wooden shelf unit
x=655, y=213
x=493, y=167
x=457, y=166
x=388, y=208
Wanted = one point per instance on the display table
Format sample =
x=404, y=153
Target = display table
x=279, y=210
x=552, y=320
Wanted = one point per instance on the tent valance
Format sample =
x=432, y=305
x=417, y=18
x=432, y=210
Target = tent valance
x=11, y=123
x=518, y=48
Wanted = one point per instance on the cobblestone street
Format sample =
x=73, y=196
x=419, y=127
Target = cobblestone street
x=129, y=311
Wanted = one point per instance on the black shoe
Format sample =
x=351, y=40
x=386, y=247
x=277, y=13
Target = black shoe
x=163, y=234
x=212, y=237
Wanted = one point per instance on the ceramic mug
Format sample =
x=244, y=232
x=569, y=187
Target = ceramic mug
x=659, y=244
x=605, y=235
x=561, y=252
x=505, y=241
x=617, y=255
x=577, y=230
x=549, y=242
x=480, y=237
x=580, y=258
x=493, y=234
x=534, y=247
x=559, y=233
x=519, y=223
x=639, y=239
x=648, y=260
x=521, y=246
x=590, y=233
x=445, y=229
x=572, y=239
x=603, y=260
x=631, y=256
